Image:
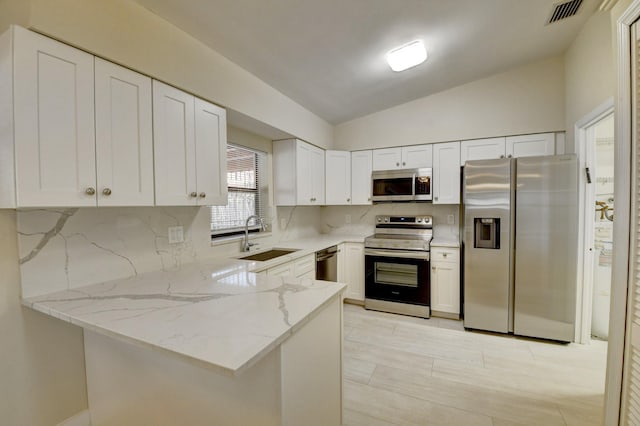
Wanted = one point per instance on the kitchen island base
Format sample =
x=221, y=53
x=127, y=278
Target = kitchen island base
x=298, y=382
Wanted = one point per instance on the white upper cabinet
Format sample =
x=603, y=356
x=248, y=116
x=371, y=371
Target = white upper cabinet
x=298, y=173
x=446, y=173
x=54, y=132
x=124, y=140
x=406, y=157
x=361, y=166
x=530, y=145
x=189, y=147
x=387, y=158
x=417, y=156
x=338, y=177
x=482, y=149
x=211, y=153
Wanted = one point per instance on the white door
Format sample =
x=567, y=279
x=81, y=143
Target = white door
x=124, y=141
x=174, y=146
x=482, y=149
x=211, y=153
x=415, y=157
x=304, y=173
x=338, y=177
x=317, y=175
x=446, y=173
x=387, y=158
x=354, y=270
x=54, y=123
x=530, y=145
x=361, y=166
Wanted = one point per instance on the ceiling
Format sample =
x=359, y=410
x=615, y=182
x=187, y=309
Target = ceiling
x=329, y=55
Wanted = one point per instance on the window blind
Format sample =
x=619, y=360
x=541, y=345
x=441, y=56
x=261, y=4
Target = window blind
x=247, y=189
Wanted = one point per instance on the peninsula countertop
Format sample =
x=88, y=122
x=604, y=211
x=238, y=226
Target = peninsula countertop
x=217, y=312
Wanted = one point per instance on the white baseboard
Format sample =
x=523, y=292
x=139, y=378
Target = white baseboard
x=83, y=418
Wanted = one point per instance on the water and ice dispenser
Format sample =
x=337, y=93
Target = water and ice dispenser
x=486, y=233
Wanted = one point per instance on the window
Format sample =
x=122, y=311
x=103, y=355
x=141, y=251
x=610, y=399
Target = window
x=246, y=180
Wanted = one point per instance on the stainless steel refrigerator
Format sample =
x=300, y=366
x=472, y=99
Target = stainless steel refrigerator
x=520, y=245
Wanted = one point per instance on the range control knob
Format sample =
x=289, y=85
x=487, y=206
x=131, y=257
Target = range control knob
x=379, y=219
x=386, y=219
x=420, y=220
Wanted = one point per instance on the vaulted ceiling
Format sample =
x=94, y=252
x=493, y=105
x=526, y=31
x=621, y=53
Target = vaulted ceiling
x=329, y=55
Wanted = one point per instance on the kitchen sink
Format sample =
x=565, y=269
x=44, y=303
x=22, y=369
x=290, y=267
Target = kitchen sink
x=268, y=255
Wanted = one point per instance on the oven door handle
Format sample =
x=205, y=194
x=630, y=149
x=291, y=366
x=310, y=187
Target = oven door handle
x=421, y=255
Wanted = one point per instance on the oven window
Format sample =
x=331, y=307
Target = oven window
x=393, y=186
x=396, y=274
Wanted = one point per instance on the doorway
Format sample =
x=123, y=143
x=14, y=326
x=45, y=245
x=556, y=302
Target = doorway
x=595, y=148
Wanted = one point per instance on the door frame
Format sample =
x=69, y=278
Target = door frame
x=622, y=225
x=583, y=131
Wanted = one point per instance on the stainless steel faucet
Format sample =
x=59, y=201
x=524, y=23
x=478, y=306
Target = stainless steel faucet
x=247, y=245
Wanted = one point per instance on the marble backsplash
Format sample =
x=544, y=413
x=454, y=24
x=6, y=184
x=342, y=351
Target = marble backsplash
x=68, y=248
x=63, y=249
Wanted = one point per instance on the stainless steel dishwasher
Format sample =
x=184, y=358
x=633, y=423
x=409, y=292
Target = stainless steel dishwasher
x=327, y=264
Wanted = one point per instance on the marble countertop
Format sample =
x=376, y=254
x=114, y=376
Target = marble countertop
x=445, y=242
x=217, y=313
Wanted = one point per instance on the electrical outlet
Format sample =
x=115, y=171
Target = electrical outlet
x=347, y=219
x=176, y=234
x=450, y=219
x=283, y=223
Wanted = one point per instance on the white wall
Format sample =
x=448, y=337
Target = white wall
x=125, y=32
x=590, y=71
x=528, y=99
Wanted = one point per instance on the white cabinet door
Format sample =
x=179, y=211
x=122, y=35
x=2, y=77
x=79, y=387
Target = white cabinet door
x=342, y=263
x=482, y=149
x=354, y=271
x=387, y=158
x=361, y=166
x=174, y=146
x=446, y=173
x=304, y=173
x=211, y=153
x=530, y=145
x=418, y=156
x=284, y=270
x=338, y=177
x=53, y=123
x=124, y=142
x=316, y=176
x=445, y=280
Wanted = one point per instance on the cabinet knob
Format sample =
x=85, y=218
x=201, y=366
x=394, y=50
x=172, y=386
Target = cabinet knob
x=404, y=164
x=435, y=198
x=106, y=191
x=90, y=191
x=203, y=195
x=509, y=155
x=502, y=156
x=369, y=199
x=433, y=268
x=444, y=254
x=193, y=195
x=348, y=200
x=397, y=164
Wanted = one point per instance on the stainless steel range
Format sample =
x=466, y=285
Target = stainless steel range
x=397, y=267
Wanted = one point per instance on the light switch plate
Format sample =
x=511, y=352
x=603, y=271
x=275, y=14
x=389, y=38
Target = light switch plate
x=176, y=234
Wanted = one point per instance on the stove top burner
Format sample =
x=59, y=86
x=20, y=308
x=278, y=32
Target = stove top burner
x=401, y=233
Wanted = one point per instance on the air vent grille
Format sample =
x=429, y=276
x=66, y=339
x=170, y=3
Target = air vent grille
x=564, y=10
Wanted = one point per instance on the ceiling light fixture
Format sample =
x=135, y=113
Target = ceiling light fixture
x=407, y=56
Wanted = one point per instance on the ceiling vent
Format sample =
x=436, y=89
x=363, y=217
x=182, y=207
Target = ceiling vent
x=563, y=10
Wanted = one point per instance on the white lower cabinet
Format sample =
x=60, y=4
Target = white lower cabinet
x=304, y=267
x=351, y=269
x=445, y=281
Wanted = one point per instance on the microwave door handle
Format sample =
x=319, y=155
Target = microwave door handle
x=413, y=187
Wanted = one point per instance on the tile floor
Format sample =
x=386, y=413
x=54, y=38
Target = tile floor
x=401, y=370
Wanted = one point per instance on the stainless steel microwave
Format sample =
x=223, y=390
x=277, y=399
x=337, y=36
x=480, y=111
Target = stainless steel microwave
x=402, y=185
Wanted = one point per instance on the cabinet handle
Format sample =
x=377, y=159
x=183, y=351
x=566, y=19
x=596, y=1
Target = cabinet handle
x=193, y=195
x=203, y=195
x=106, y=191
x=90, y=191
